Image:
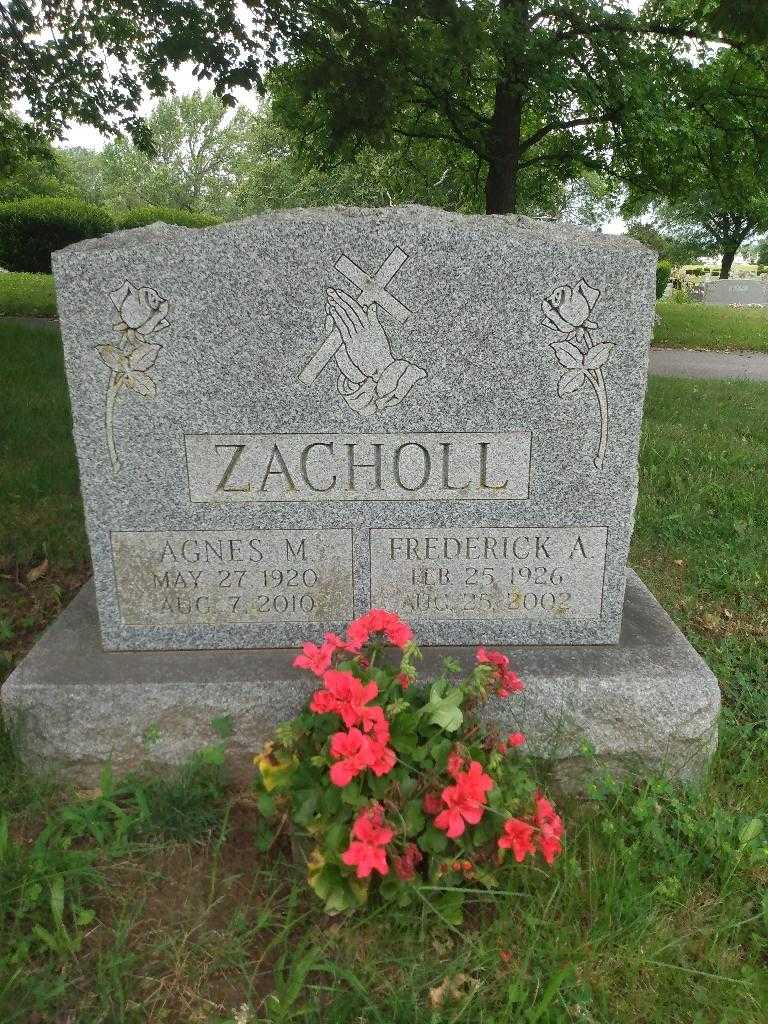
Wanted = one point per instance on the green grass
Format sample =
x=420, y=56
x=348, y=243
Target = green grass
x=41, y=511
x=153, y=900
x=716, y=328
x=27, y=295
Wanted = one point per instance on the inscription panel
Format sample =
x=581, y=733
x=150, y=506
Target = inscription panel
x=510, y=573
x=355, y=467
x=218, y=577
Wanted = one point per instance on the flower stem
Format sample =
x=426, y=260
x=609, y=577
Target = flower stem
x=113, y=389
x=597, y=381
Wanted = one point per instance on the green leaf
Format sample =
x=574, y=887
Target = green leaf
x=57, y=901
x=266, y=805
x=307, y=807
x=336, y=838
x=449, y=905
x=351, y=794
x=414, y=817
x=750, y=831
x=445, y=712
x=331, y=801
x=433, y=840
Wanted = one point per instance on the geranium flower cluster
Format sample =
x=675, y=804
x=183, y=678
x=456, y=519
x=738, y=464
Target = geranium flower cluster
x=464, y=802
x=364, y=745
x=318, y=659
x=544, y=833
x=370, y=836
x=420, y=807
x=506, y=680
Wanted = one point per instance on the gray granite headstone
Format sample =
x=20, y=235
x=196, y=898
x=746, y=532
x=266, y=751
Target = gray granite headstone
x=750, y=291
x=285, y=421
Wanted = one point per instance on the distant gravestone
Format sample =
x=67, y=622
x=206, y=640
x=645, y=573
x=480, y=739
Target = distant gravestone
x=737, y=291
x=283, y=422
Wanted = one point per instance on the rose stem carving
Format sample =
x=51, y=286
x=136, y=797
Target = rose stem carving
x=141, y=312
x=568, y=311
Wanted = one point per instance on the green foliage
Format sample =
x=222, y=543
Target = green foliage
x=700, y=168
x=532, y=96
x=42, y=511
x=31, y=229
x=19, y=143
x=663, y=271
x=27, y=295
x=141, y=215
x=191, y=164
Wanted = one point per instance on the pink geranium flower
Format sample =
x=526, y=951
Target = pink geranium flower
x=359, y=632
x=348, y=697
x=550, y=826
x=369, y=836
x=518, y=837
x=318, y=659
x=507, y=681
x=352, y=751
x=464, y=803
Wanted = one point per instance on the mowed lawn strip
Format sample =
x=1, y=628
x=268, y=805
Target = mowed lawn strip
x=41, y=513
x=714, y=328
x=27, y=295
x=167, y=899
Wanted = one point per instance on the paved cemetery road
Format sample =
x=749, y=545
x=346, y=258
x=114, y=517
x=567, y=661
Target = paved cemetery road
x=687, y=362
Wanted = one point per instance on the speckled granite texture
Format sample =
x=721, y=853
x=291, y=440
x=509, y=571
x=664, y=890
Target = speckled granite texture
x=401, y=321
x=648, y=704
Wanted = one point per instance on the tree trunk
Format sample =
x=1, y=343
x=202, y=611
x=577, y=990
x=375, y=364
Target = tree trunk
x=501, y=183
x=725, y=267
x=504, y=131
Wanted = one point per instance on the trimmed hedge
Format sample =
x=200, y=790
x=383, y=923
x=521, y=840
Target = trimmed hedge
x=140, y=216
x=31, y=229
x=663, y=271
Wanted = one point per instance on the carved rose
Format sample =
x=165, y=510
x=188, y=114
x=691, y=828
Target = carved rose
x=568, y=309
x=140, y=310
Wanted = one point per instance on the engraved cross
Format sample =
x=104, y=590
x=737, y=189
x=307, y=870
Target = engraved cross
x=372, y=289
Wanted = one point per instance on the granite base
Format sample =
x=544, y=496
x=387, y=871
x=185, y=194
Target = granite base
x=647, y=705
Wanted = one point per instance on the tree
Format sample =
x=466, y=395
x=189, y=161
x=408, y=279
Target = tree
x=704, y=178
x=274, y=169
x=522, y=85
x=92, y=60
x=675, y=250
x=21, y=143
x=191, y=163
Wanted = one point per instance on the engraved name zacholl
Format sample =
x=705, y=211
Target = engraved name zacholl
x=354, y=467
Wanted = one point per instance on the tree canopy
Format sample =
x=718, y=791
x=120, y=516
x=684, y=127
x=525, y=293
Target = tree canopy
x=702, y=170
x=533, y=91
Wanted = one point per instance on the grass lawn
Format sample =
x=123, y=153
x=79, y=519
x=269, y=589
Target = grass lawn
x=165, y=901
x=27, y=295
x=716, y=328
